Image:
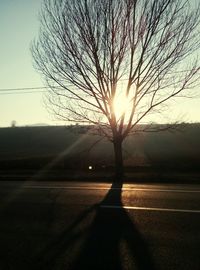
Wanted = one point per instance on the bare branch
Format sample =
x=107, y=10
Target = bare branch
x=87, y=49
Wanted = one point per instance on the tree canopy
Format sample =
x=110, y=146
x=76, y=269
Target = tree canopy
x=113, y=62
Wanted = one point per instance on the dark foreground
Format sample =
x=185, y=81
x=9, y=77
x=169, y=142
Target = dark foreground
x=69, y=225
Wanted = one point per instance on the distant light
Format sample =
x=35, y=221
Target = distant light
x=90, y=167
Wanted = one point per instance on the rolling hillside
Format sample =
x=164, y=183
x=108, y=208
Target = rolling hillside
x=71, y=147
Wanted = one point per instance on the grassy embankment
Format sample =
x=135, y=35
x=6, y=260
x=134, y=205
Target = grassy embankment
x=61, y=149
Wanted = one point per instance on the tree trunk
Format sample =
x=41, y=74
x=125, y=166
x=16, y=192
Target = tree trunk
x=119, y=167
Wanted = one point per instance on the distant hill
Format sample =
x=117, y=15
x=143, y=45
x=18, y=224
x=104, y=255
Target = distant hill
x=70, y=147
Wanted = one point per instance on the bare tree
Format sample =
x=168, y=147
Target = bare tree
x=111, y=63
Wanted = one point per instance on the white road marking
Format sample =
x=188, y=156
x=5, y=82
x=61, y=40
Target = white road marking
x=108, y=188
x=69, y=187
x=166, y=190
x=150, y=209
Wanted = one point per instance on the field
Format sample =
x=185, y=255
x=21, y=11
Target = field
x=60, y=148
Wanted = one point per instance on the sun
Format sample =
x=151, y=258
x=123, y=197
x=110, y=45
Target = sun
x=121, y=104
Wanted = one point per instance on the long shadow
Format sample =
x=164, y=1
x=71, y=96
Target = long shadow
x=112, y=240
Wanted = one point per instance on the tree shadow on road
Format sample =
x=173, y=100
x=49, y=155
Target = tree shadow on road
x=112, y=241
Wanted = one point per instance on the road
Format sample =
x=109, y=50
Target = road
x=72, y=225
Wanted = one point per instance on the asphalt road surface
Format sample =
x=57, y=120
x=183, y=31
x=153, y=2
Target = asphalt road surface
x=68, y=225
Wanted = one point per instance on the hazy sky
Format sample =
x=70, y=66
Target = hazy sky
x=18, y=26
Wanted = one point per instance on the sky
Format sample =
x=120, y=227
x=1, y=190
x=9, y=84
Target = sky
x=19, y=25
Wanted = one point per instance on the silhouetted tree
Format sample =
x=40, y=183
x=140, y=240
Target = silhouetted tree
x=13, y=123
x=99, y=54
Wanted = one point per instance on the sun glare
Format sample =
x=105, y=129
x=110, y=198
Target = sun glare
x=121, y=105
